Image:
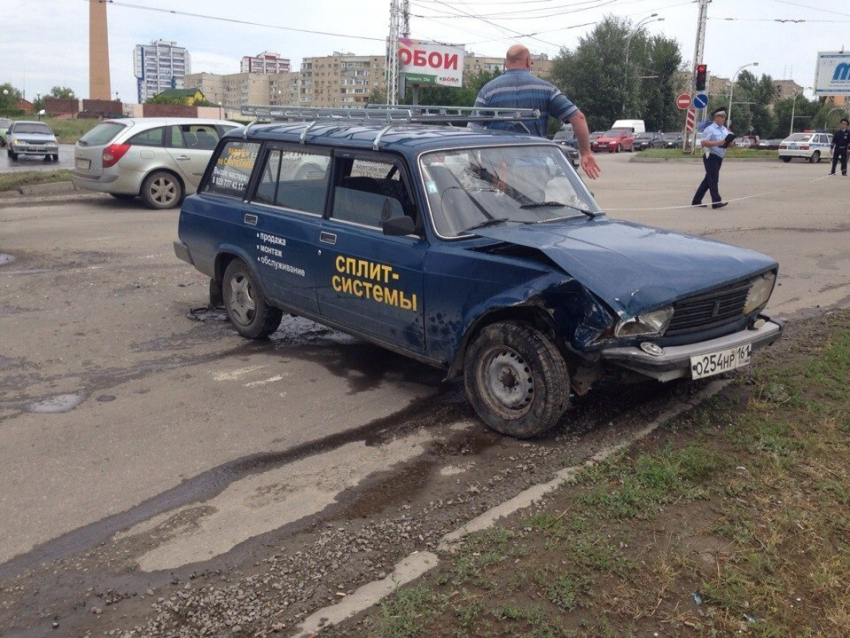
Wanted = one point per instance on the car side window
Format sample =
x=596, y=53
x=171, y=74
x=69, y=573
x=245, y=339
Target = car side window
x=231, y=169
x=371, y=193
x=151, y=137
x=294, y=179
x=175, y=138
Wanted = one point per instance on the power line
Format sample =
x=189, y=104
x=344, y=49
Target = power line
x=234, y=20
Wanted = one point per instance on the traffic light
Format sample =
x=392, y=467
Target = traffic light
x=702, y=71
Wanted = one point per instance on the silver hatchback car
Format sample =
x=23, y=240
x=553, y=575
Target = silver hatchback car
x=158, y=159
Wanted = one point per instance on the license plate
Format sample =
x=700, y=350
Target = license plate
x=706, y=365
x=82, y=164
x=792, y=146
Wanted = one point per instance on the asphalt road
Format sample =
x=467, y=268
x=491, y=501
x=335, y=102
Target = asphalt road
x=117, y=408
x=36, y=162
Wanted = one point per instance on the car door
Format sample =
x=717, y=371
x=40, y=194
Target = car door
x=367, y=280
x=190, y=147
x=285, y=214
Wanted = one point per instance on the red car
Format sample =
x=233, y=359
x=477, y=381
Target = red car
x=614, y=141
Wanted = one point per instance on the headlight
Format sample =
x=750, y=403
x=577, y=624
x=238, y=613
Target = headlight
x=649, y=323
x=759, y=292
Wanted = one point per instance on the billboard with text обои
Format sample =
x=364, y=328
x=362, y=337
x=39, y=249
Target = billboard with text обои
x=832, y=75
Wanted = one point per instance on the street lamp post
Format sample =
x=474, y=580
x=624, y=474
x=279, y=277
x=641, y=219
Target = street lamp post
x=731, y=89
x=651, y=18
x=793, y=105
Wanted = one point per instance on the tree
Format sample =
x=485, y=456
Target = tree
x=61, y=92
x=594, y=77
x=166, y=99
x=9, y=96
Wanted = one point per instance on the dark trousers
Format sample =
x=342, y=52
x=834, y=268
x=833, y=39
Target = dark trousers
x=712, y=179
x=840, y=153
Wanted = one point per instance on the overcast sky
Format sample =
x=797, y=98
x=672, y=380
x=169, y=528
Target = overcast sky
x=44, y=43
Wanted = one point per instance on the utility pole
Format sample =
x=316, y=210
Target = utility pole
x=698, y=52
x=392, y=52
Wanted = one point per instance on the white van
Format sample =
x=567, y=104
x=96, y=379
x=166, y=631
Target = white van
x=635, y=126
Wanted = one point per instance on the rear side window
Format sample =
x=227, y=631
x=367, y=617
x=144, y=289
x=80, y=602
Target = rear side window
x=295, y=180
x=232, y=169
x=152, y=137
x=101, y=134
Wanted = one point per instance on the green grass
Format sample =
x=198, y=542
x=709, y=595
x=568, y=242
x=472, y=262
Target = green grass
x=13, y=181
x=733, y=153
x=743, y=500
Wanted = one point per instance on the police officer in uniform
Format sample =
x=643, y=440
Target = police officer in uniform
x=840, y=142
x=714, y=148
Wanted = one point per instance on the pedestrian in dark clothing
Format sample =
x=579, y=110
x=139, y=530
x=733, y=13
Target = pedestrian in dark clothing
x=714, y=148
x=840, y=142
x=518, y=88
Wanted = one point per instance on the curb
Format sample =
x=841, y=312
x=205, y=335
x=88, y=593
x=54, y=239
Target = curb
x=39, y=190
x=695, y=158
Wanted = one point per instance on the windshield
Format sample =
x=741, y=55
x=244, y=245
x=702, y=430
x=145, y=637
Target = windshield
x=616, y=132
x=501, y=185
x=32, y=128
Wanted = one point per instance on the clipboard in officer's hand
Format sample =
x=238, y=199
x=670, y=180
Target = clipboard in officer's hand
x=729, y=139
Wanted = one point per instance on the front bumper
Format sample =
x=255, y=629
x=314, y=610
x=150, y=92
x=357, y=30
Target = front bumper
x=35, y=149
x=674, y=362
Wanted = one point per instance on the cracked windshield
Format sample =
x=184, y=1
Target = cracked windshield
x=474, y=188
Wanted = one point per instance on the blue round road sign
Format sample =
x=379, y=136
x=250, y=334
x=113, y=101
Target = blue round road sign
x=700, y=101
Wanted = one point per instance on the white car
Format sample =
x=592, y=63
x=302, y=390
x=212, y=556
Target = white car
x=31, y=138
x=809, y=146
x=158, y=159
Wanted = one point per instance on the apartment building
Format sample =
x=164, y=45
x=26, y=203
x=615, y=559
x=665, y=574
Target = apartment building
x=473, y=64
x=158, y=66
x=341, y=79
x=234, y=90
x=265, y=62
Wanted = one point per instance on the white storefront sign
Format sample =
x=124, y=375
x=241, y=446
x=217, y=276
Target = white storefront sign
x=429, y=63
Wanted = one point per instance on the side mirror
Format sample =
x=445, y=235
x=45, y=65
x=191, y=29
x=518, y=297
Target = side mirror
x=399, y=226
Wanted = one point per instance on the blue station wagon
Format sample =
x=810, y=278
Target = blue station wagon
x=480, y=252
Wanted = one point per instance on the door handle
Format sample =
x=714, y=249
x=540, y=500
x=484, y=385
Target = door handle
x=182, y=158
x=327, y=238
x=250, y=219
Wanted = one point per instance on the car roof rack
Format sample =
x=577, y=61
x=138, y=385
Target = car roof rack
x=389, y=114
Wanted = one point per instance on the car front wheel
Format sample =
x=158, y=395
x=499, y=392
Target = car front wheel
x=161, y=190
x=12, y=154
x=815, y=158
x=246, y=307
x=516, y=380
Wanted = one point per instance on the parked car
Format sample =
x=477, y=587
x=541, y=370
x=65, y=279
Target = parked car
x=672, y=140
x=595, y=135
x=5, y=123
x=643, y=141
x=614, y=141
x=565, y=138
x=769, y=145
x=479, y=252
x=31, y=138
x=158, y=159
x=809, y=146
x=571, y=153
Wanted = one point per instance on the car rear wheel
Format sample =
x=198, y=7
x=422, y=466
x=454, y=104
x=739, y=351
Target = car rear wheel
x=246, y=308
x=815, y=158
x=785, y=159
x=516, y=380
x=161, y=190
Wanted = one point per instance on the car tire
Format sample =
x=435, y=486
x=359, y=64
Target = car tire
x=12, y=154
x=246, y=307
x=123, y=197
x=516, y=380
x=162, y=190
x=815, y=158
x=785, y=159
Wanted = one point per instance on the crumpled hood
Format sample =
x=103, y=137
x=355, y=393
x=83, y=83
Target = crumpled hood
x=631, y=267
